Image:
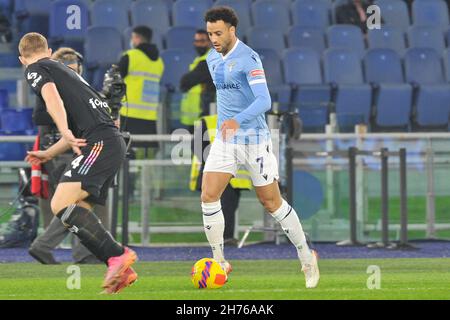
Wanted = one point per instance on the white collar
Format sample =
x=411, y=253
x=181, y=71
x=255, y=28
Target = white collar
x=231, y=51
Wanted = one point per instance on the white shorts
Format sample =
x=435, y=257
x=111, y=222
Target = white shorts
x=258, y=159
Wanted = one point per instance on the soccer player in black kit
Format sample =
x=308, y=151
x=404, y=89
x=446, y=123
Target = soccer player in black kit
x=86, y=126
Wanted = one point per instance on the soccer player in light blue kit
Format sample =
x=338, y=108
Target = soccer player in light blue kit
x=243, y=138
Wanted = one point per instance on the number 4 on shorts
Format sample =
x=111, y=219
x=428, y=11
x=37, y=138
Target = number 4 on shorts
x=76, y=162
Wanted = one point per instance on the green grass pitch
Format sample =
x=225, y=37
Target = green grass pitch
x=261, y=279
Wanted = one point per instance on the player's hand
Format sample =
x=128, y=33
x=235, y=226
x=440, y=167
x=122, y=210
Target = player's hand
x=117, y=123
x=229, y=128
x=75, y=143
x=37, y=157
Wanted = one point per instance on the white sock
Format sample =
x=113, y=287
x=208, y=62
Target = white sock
x=289, y=221
x=214, y=223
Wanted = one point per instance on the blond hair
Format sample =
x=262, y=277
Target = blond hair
x=32, y=43
x=65, y=54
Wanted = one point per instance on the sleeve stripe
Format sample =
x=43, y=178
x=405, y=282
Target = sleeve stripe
x=257, y=81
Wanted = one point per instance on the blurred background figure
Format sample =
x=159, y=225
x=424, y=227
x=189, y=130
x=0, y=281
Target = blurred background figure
x=353, y=12
x=141, y=68
x=197, y=84
x=55, y=232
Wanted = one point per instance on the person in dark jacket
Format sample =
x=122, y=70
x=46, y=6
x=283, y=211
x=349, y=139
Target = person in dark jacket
x=354, y=12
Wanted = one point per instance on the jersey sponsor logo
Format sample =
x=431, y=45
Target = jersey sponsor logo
x=257, y=73
x=228, y=86
x=68, y=174
x=97, y=103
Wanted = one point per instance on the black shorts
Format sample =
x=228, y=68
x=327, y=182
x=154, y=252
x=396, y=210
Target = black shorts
x=96, y=167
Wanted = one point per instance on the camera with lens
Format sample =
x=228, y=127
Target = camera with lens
x=114, y=89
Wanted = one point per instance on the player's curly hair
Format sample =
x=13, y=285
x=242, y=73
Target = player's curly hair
x=226, y=14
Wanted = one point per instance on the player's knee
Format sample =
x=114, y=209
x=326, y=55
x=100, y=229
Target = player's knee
x=55, y=206
x=208, y=196
x=269, y=203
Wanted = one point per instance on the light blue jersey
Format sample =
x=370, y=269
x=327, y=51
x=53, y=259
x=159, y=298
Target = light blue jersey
x=242, y=92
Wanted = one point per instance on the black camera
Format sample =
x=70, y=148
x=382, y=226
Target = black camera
x=114, y=89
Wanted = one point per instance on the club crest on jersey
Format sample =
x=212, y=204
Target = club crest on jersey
x=231, y=65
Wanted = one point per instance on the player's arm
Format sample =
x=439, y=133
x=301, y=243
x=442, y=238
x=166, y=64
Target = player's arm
x=257, y=81
x=41, y=156
x=55, y=107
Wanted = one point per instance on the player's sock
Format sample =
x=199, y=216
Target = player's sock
x=289, y=221
x=92, y=234
x=214, y=223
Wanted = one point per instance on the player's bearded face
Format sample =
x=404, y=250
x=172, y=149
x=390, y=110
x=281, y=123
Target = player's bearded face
x=221, y=35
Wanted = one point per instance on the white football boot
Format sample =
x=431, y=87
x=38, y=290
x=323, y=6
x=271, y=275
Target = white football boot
x=311, y=271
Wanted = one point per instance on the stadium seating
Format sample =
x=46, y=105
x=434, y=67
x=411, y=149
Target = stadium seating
x=307, y=37
x=110, y=13
x=242, y=9
x=180, y=38
x=426, y=37
x=303, y=72
x=423, y=66
x=190, y=13
x=383, y=66
x=342, y=69
x=430, y=13
x=447, y=64
x=311, y=13
x=12, y=151
x=176, y=63
x=16, y=121
x=266, y=38
x=387, y=37
x=393, y=98
x=151, y=13
x=98, y=61
x=394, y=13
x=69, y=21
x=4, y=99
x=6, y=7
x=271, y=14
x=32, y=16
x=346, y=36
x=272, y=66
x=424, y=70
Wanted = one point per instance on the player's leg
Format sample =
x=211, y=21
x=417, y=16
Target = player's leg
x=285, y=215
x=221, y=165
x=76, y=214
x=213, y=186
x=263, y=167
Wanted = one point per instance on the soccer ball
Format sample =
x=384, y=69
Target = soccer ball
x=208, y=274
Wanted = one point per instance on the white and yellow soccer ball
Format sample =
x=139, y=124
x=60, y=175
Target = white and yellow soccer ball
x=208, y=274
